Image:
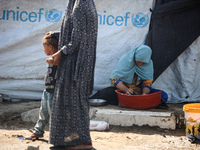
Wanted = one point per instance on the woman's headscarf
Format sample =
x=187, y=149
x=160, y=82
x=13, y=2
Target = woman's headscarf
x=127, y=66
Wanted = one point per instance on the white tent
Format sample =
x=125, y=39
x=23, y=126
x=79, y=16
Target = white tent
x=181, y=79
x=123, y=25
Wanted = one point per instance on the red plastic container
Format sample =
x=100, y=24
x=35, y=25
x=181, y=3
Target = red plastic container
x=139, y=101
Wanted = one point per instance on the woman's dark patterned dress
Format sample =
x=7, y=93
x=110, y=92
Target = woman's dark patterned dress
x=77, y=42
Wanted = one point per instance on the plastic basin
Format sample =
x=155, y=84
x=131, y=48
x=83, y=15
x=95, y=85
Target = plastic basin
x=139, y=101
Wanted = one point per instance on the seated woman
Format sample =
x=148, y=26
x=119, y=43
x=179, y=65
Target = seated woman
x=132, y=75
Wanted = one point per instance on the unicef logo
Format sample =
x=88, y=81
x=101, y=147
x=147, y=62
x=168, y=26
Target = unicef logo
x=53, y=15
x=140, y=20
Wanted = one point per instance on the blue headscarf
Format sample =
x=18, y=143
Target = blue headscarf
x=127, y=66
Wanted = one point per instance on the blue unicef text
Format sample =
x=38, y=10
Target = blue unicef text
x=139, y=20
x=22, y=15
x=52, y=15
x=112, y=20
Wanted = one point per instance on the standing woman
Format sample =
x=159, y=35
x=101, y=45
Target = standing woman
x=76, y=59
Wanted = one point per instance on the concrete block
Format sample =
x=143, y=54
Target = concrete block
x=164, y=120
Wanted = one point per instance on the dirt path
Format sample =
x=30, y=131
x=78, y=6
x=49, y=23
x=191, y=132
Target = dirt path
x=12, y=128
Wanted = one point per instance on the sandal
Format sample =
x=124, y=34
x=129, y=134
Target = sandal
x=34, y=135
x=163, y=104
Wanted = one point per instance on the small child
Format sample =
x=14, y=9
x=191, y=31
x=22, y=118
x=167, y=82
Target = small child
x=50, y=47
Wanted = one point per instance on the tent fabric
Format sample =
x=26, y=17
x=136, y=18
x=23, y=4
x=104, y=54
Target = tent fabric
x=174, y=26
x=22, y=59
x=181, y=79
x=122, y=26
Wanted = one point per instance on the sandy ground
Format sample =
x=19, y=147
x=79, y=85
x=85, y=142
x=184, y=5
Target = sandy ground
x=12, y=128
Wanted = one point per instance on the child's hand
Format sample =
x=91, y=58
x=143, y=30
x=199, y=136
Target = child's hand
x=50, y=60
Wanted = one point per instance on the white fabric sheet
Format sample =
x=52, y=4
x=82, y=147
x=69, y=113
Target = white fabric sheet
x=123, y=25
x=181, y=79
